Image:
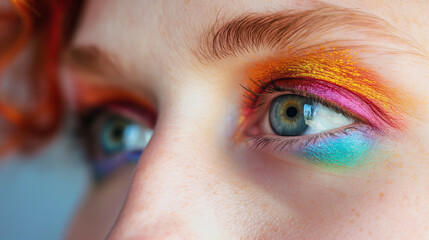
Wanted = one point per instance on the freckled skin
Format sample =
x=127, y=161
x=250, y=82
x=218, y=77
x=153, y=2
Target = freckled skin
x=191, y=183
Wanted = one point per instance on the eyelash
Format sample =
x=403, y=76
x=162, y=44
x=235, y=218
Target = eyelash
x=88, y=134
x=258, y=97
x=261, y=95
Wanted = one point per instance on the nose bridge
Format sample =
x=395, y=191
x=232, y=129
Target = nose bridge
x=176, y=174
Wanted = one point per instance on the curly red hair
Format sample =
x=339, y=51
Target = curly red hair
x=46, y=25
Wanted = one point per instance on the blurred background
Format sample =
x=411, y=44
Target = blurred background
x=39, y=190
x=39, y=193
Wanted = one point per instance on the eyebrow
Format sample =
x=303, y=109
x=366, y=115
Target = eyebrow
x=289, y=30
x=298, y=30
x=93, y=60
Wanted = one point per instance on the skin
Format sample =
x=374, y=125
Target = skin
x=192, y=181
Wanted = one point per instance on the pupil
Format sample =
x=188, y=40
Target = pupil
x=286, y=115
x=117, y=133
x=291, y=112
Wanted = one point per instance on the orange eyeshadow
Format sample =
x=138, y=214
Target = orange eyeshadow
x=338, y=67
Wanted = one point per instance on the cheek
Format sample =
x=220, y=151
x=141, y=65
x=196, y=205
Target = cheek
x=101, y=207
x=285, y=200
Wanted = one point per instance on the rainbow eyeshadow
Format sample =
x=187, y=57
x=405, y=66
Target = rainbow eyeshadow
x=336, y=78
x=345, y=151
x=338, y=68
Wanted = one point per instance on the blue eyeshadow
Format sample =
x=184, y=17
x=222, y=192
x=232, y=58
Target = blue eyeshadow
x=104, y=167
x=345, y=151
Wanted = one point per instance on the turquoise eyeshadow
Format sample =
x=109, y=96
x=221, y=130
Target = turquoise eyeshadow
x=345, y=151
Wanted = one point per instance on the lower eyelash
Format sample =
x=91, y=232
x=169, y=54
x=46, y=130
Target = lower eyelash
x=297, y=144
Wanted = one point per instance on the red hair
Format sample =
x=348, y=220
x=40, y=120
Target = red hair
x=47, y=24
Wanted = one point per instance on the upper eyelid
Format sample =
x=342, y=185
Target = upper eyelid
x=131, y=110
x=336, y=97
x=342, y=68
x=266, y=99
x=260, y=111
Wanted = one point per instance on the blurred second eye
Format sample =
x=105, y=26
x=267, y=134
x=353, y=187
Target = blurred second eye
x=114, y=137
x=118, y=134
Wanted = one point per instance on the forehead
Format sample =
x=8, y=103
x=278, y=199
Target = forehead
x=166, y=31
x=184, y=18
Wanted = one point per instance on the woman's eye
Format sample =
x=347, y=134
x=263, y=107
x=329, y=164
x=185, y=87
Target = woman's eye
x=295, y=115
x=311, y=120
x=118, y=134
x=113, y=139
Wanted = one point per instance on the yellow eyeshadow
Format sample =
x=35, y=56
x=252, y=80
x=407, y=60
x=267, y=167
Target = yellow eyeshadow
x=336, y=66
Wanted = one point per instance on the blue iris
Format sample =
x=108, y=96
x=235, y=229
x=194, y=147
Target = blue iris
x=120, y=141
x=112, y=134
x=288, y=115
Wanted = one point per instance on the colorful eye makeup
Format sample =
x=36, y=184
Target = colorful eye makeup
x=335, y=76
x=322, y=107
x=343, y=148
x=343, y=151
x=295, y=115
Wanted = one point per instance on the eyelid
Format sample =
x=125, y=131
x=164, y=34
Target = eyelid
x=341, y=68
x=84, y=91
x=88, y=117
x=90, y=127
x=333, y=96
x=120, y=108
x=263, y=117
x=94, y=96
x=340, y=148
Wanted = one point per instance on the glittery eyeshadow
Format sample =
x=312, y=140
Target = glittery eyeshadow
x=336, y=78
x=348, y=151
x=337, y=67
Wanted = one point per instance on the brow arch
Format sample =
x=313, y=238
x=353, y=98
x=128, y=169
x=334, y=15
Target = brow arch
x=292, y=30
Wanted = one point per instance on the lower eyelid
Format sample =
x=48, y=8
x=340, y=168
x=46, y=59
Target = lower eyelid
x=102, y=168
x=346, y=147
x=90, y=127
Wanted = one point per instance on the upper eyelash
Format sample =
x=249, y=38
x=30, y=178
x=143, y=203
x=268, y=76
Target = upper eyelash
x=251, y=95
x=86, y=119
x=258, y=99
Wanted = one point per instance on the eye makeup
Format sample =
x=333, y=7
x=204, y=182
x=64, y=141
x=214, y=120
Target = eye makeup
x=347, y=151
x=346, y=148
x=330, y=73
x=332, y=78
